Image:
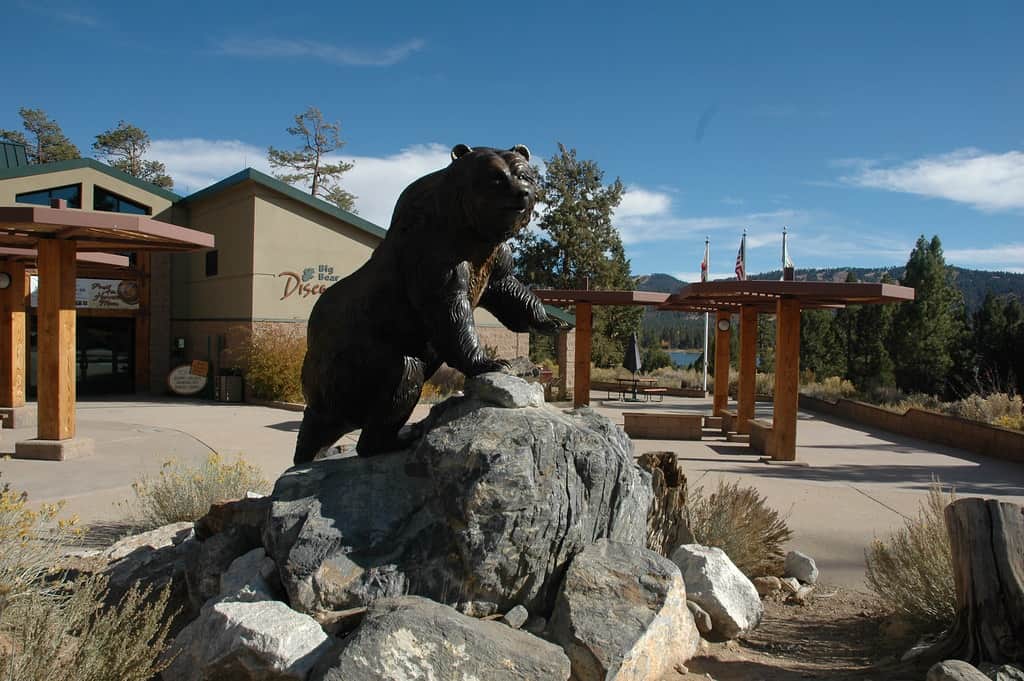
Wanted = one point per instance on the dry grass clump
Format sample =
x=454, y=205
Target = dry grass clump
x=987, y=408
x=273, y=355
x=51, y=627
x=737, y=520
x=832, y=389
x=1012, y=422
x=184, y=493
x=911, y=570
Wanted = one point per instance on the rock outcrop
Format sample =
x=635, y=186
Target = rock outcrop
x=489, y=506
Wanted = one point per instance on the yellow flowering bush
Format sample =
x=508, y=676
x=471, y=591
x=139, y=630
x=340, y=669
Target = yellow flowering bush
x=182, y=493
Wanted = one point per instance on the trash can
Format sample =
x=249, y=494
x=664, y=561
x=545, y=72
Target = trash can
x=229, y=388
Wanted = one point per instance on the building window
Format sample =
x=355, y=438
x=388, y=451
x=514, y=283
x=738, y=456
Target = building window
x=111, y=202
x=72, y=193
x=211, y=263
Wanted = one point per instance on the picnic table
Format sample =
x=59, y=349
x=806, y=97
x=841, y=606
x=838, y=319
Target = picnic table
x=647, y=387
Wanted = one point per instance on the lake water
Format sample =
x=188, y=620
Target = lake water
x=682, y=358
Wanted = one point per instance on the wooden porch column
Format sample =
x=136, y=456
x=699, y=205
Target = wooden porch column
x=787, y=378
x=584, y=324
x=143, y=323
x=12, y=337
x=56, y=340
x=721, y=400
x=748, y=368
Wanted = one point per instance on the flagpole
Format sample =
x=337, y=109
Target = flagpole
x=707, y=315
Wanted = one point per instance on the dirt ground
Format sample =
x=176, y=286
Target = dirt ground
x=837, y=635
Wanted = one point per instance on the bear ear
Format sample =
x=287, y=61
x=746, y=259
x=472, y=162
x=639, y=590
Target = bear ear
x=460, y=150
x=522, y=151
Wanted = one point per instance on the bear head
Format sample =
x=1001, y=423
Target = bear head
x=494, y=189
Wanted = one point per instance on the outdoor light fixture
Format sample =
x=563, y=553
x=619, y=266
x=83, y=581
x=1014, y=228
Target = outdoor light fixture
x=724, y=324
x=5, y=280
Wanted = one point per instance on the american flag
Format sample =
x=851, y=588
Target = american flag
x=741, y=259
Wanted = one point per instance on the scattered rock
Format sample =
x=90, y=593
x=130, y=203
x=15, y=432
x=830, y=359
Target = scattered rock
x=477, y=609
x=718, y=586
x=153, y=540
x=250, y=577
x=504, y=390
x=516, y=617
x=954, y=670
x=153, y=560
x=414, y=639
x=260, y=641
x=621, y=614
x=767, y=585
x=523, y=368
x=801, y=566
x=1006, y=672
x=701, y=618
x=205, y=563
x=490, y=505
x=790, y=584
x=247, y=515
x=802, y=595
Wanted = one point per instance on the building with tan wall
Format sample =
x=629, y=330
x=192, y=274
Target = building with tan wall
x=277, y=249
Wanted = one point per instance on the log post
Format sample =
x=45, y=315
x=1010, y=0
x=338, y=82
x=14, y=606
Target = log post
x=987, y=541
x=584, y=324
x=746, y=395
x=722, y=340
x=12, y=337
x=56, y=339
x=787, y=378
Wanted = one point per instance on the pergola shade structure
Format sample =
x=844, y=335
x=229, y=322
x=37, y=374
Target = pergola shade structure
x=748, y=298
x=58, y=239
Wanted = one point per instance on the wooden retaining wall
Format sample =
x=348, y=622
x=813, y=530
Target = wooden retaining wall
x=931, y=426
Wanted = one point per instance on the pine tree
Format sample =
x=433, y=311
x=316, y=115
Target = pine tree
x=869, y=363
x=45, y=142
x=125, y=148
x=308, y=165
x=821, y=346
x=928, y=334
x=577, y=246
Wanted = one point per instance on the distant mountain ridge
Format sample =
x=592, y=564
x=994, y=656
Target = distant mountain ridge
x=974, y=284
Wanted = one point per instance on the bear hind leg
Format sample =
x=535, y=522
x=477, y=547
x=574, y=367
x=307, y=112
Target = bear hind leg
x=316, y=433
x=397, y=396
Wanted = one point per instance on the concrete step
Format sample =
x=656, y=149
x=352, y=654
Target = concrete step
x=738, y=437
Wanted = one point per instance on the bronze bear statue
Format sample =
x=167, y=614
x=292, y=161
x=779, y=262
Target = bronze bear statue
x=375, y=336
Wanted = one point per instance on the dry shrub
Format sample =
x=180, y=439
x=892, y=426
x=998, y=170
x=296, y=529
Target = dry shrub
x=986, y=408
x=184, y=493
x=445, y=381
x=911, y=570
x=75, y=635
x=737, y=520
x=1012, y=422
x=764, y=384
x=273, y=355
x=832, y=389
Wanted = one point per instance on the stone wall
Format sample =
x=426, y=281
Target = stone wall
x=952, y=431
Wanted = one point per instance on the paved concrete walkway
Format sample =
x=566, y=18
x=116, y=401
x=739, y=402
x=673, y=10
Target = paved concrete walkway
x=859, y=483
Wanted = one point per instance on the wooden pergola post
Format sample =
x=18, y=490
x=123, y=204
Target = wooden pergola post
x=56, y=339
x=584, y=328
x=748, y=368
x=12, y=337
x=787, y=378
x=721, y=399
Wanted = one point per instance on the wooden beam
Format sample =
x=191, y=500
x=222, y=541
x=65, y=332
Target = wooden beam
x=12, y=336
x=584, y=328
x=787, y=378
x=56, y=341
x=748, y=368
x=721, y=400
x=142, y=324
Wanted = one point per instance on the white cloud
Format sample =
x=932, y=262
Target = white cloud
x=1004, y=257
x=988, y=182
x=65, y=14
x=691, y=277
x=638, y=202
x=270, y=48
x=376, y=181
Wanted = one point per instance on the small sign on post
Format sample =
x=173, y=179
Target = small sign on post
x=183, y=381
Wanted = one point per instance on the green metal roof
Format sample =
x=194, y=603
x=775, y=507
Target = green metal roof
x=74, y=164
x=559, y=313
x=292, y=193
x=12, y=155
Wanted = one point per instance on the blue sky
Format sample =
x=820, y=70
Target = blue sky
x=859, y=126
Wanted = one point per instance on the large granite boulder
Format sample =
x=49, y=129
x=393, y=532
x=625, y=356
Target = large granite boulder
x=414, y=639
x=715, y=584
x=621, y=615
x=490, y=505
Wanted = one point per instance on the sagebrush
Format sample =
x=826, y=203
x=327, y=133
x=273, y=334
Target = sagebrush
x=273, y=357
x=911, y=570
x=831, y=389
x=184, y=493
x=738, y=520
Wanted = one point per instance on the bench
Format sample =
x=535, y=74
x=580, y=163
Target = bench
x=728, y=421
x=652, y=392
x=649, y=426
x=761, y=437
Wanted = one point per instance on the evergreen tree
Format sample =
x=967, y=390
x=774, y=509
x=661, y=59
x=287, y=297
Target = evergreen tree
x=869, y=363
x=125, y=148
x=577, y=246
x=995, y=332
x=766, y=328
x=928, y=334
x=821, y=346
x=308, y=164
x=45, y=141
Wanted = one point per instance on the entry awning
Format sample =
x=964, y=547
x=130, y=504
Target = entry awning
x=732, y=295
x=24, y=227
x=30, y=255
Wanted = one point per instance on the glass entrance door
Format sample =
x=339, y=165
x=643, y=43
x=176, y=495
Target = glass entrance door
x=105, y=357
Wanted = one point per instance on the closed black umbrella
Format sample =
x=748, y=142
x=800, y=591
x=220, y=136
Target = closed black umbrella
x=632, y=359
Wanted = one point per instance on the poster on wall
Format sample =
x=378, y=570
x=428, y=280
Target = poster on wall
x=97, y=294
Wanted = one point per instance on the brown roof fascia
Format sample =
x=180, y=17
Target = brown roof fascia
x=624, y=298
x=29, y=256
x=726, y=295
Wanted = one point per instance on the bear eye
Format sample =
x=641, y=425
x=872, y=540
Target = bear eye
x=498, y=179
